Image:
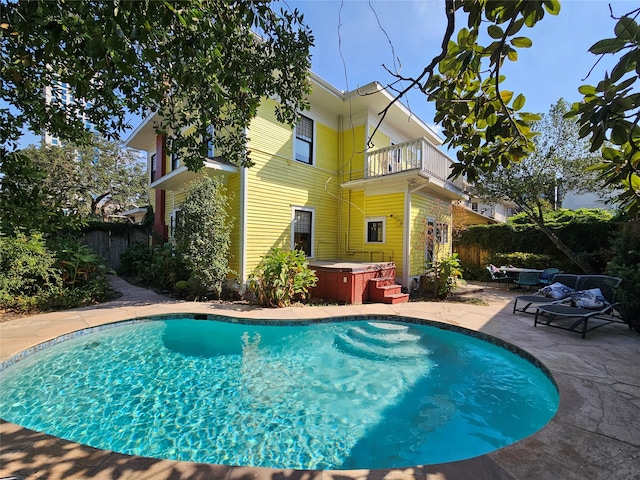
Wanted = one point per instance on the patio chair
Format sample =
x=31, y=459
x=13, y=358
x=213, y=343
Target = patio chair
x=498, y=276
x=546, y=277
x=567, y=279
x=527, y=281
x=581, y=308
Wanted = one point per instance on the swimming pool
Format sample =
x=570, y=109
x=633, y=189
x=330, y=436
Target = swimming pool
x=373, y=392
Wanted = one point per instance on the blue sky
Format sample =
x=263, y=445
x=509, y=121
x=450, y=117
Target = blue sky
x=351, y=45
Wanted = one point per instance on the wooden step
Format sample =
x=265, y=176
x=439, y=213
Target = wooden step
x=385, y=290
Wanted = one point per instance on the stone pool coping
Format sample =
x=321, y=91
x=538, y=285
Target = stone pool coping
x=595, y=434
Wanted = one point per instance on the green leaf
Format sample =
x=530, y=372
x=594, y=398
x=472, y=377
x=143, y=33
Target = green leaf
x=512, y=55
x=518, y=103
x=552, y=6
x=529, y=117
x=608, y=45
x=626, y=29
x=619, y=134
x=587, y=89
x=521, y=42
x=495, y=31
x=506, y=96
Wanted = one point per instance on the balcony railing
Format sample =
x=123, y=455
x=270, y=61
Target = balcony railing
x=415, y=154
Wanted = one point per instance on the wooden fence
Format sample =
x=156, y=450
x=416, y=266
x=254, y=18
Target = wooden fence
x=472, y=255
x=110, y=244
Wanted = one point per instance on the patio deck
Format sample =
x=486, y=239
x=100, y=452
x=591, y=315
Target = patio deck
x=595, y=435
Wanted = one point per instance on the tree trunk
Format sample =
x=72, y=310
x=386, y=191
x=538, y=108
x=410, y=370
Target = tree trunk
x=584, y=266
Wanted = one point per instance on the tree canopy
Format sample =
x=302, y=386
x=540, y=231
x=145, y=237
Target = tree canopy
x=486, y=124
x=199, y=63
x=55, y=187
x=561, y=161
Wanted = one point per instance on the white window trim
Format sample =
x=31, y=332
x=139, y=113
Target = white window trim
x=172, y=222
x=314, y=140
x=313, y=227
x=384, y=229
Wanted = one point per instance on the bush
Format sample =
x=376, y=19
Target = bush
x=626, y=265
x=440, y=279
x=37, y=276
x=282, y=277
x=522, y=259
x=27, y=272
x=157, y=266
x=203, y=234
x=79, y=263
x=135, y=259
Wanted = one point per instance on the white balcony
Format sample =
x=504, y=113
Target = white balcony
x=415, y=155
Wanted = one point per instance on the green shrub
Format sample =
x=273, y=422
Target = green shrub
x=626, y=265
x=79, y=263
x=27, y=272
x=522, y=259
x=203, y=234
x=282, y=277
x=441, y=276
x=135, y=259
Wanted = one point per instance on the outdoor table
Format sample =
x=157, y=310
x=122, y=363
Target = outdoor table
x=513, y=272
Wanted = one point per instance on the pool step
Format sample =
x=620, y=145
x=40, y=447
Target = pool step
x=380, y=341
x=387, y=339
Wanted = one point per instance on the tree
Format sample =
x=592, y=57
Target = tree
x=199, y=63
x=79, y=182
x=27, y=201
x=203, y=233
x=532, y=184
x=486, y=124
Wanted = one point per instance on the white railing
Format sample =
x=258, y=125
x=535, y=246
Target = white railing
x=414, y=154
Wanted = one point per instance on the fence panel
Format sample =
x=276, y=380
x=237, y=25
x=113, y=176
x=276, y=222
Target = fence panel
x=110, y=244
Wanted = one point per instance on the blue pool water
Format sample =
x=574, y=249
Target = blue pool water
x=343, y=395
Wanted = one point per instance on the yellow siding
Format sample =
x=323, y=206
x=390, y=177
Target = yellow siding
x=422, y=208
x=392, y=207
x=353, y=145
x=357, y=210
x=379, y=140
x=267, y=135
x=276, y=183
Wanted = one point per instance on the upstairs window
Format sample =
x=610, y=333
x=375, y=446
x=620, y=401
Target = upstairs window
x=154, y=167
x=175, y=161
x=208, y=141
x=304, y=140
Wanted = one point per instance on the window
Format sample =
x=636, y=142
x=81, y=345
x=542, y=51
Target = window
x=175, y=161
x=430, y=242
x=209, y=142
x=474, y=206
x=442, y=232
x=303, y=230
x=304, y=140
x=154, y=167
x=174, y=220
x=376, y=230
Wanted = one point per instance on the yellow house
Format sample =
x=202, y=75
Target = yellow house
x=353, y=197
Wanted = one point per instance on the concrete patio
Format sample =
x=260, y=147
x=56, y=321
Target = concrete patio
x=595, y=434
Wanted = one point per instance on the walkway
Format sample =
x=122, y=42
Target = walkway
x=594, y=436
